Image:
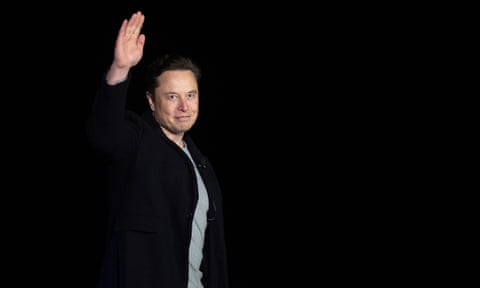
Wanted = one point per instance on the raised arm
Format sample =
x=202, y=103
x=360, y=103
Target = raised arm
x=128, y=48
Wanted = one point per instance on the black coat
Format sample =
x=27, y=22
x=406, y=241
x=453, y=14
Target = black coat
x=152, y=192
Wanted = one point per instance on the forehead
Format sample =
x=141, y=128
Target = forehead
x=177, y=79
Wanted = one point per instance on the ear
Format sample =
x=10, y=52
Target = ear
x=151, y=103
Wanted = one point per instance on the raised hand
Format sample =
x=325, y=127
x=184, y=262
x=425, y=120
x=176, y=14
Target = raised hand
x=128, y=48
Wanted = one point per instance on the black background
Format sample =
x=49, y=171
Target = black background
x=284, y=119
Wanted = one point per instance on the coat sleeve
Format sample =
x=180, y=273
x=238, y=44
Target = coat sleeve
x=111, y=129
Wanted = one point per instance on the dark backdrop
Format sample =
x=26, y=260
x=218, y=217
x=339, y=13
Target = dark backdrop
x=246, y=111
x=282, y=120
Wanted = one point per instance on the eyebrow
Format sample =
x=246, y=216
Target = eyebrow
x=188, y=92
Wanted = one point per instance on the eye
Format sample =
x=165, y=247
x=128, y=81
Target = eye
x=191, y=95
x=172, y=96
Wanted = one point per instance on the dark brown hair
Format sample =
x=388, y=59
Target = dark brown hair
x=168, y=62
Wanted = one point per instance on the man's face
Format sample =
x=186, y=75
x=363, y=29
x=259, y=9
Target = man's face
x=176, y=101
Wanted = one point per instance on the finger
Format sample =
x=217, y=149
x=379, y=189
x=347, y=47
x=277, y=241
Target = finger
x=135, y=24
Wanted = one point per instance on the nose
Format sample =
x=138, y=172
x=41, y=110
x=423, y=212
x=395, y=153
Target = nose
x=183, y=104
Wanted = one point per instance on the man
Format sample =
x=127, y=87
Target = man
x=165, y=226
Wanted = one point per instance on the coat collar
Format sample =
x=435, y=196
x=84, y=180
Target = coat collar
x=192, y=148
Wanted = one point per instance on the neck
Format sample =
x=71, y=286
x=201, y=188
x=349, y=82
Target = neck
x=175, y=138
x=181, y=144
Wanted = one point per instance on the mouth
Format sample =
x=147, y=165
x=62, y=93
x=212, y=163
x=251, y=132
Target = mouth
x=183, y=118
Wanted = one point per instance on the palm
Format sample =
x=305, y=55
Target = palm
x=129, y=44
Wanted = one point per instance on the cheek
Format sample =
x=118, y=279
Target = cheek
x=195, y=105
